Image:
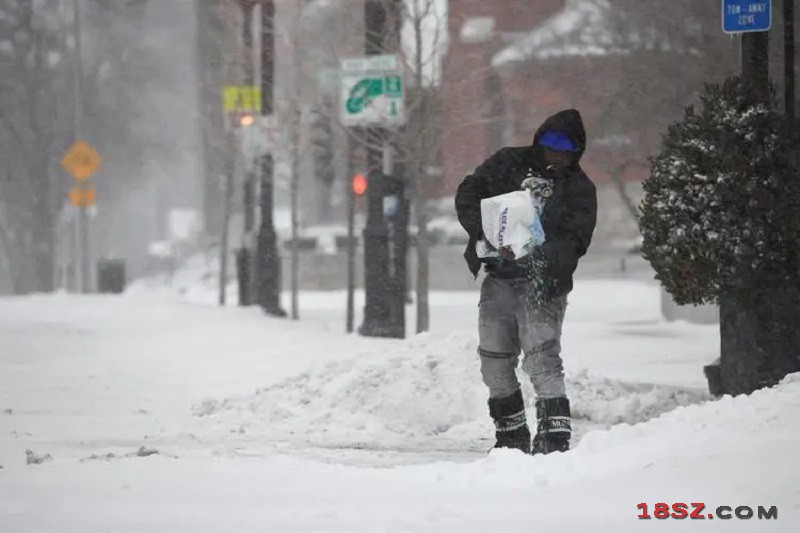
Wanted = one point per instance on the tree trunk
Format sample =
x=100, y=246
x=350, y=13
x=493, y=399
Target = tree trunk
x=616, y=176
x=760, y=340
x=294, y=193
x=422, y=143
x=43, y=261
x=43, y=231
x=423, y=249
x=423, y=263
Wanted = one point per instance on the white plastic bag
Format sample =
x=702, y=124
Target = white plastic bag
x=508, y=220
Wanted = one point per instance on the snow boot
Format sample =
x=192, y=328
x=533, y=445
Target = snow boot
x=555, y=426
x=510, y=423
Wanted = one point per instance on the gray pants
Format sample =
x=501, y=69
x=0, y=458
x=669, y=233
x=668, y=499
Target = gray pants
x=510, y=323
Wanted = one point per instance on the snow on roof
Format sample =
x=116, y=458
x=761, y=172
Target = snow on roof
x=477, y=30
x=583, y=28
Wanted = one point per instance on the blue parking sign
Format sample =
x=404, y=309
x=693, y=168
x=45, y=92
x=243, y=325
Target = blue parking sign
x=739, y=16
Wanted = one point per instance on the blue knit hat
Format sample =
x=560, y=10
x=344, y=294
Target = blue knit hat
x=555, y=140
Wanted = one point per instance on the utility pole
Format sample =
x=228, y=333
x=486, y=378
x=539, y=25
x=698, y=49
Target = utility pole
x=83, y=219
x=755, y=60
x=384, y=238
x=268, y=266
x=788, y=47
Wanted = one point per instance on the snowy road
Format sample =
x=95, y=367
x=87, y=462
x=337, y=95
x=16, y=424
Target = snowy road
x=269, y=425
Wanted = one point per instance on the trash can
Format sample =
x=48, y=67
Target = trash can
x=111, y=276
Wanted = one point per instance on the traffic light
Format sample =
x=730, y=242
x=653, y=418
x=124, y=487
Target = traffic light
x=245, y=120
x=239, y=119
x=359, y=185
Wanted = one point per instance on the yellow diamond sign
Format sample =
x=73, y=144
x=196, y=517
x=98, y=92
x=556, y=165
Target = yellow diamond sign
x=81, y=161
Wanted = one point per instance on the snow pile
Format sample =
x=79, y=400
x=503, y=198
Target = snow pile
x=426, y=388
x=701, y=430
x=196, y=279
x=92, y=379
x=420, y=388
x=607, y=402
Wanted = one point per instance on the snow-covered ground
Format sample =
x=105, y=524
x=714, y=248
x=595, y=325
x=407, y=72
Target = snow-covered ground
x=158, y=411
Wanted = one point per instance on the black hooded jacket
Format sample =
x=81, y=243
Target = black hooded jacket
x=569, y=215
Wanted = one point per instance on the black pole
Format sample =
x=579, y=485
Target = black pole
x=755, y=60
x=738, y=366
x=351, y=245
x=381, y=315
x=375, y=233
x=268, y=266
x=244, y=255
x=788, y=47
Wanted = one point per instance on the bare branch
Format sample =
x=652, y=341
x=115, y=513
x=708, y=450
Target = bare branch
x=12, y=129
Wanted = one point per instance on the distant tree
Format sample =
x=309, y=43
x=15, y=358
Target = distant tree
x=312, y=40
x=34, y=130
x=421, y=139
x=323, y=144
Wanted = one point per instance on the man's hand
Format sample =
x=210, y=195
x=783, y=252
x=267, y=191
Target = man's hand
x=506, y=253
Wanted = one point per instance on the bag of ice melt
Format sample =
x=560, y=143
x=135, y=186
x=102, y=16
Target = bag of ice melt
x=508, y=220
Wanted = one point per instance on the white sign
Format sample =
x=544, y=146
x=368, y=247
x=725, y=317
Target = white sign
x=372, y=91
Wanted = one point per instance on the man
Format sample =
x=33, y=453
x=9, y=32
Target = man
x=522, y=303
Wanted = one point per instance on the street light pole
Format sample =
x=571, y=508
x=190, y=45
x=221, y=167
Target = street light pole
x=384, y=245
x=788, y=46
x=267, y=265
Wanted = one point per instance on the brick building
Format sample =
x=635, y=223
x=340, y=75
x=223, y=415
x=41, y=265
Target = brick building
x=477, y=30
x=511, y=64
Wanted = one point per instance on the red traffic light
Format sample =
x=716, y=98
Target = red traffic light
x=359, y=184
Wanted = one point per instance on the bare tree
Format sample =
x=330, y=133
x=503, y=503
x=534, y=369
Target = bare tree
x=655, y=42
x=34, y=81
x=297, y=99
x=311, y=41
x=421, y=139
x=218, y=64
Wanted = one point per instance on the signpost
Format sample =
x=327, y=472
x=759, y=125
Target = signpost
x=240, y=103
x=372, y=91
x=81, y=162
x=743, y=16
x=751, y=19
x=372, y=97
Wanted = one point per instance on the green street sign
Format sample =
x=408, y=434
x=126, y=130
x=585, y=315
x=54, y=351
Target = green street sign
x=372, y=92
x=368, y=89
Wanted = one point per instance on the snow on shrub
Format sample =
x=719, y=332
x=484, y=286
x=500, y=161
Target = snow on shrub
x=721, y=215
